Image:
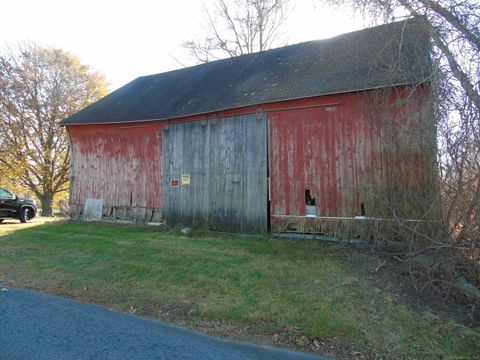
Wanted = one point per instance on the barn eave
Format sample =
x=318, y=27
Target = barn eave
x=217, y=110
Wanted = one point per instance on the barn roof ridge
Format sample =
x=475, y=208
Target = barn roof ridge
x=331, y=38
x=381, y=56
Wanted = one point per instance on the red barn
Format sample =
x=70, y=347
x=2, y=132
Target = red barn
x=289, y=138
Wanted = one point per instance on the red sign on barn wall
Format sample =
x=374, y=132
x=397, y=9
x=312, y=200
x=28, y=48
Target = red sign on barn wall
x=175, y=183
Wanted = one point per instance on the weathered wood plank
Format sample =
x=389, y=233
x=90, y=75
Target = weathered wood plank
x=354, y=157
x=226, y=159
x=118, y=165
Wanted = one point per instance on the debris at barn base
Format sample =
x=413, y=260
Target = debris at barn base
x=296, y=235
x=93, y=210
x=186, y=231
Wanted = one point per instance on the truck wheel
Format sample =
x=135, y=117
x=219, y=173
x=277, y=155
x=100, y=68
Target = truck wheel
x=26, y=215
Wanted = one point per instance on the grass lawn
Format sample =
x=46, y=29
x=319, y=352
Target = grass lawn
x=302, y=294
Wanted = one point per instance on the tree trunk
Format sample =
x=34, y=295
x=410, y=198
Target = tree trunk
x=47, y=205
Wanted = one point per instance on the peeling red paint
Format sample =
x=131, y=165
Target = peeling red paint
x=343, y=154
x=117, y=164
x=340, y=147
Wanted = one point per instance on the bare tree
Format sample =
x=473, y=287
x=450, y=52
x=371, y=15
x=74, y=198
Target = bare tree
x=453, y=26
x=454, y=30
x=40, y=87
x=236, y=27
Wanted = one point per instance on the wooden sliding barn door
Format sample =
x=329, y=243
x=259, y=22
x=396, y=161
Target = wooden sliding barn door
x=215, y=173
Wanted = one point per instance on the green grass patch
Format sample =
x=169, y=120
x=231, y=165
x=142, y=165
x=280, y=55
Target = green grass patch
x=263, y=285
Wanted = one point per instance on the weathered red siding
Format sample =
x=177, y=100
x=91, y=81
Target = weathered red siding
x=347, y=149
x=348, y=155
x=119, y=164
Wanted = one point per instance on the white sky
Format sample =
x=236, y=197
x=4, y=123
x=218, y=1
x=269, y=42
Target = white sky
x=124, y=39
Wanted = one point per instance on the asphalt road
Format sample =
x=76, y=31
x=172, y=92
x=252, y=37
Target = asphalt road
x=39, y=326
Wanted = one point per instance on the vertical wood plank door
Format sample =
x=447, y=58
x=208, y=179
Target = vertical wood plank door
x=224, y=163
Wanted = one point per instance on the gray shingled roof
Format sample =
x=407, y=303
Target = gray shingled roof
x=387, y=55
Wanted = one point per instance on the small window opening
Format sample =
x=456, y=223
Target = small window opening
x=362, y=209
x=309, y=200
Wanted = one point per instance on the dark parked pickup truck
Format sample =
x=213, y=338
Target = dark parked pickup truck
x=12, y=207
